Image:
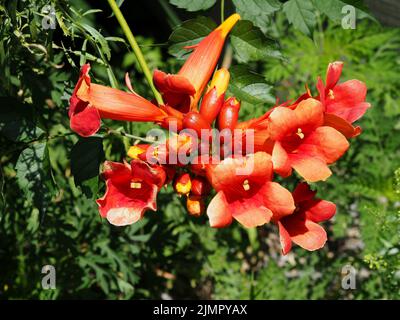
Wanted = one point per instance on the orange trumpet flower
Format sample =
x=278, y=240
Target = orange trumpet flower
x=183, y=90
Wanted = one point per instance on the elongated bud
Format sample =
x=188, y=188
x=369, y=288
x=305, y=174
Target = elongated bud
x=229, y=114
x=196, y=122
x=220, y=81
x=200, y=186
x=195, y=205
x=211, y=105
x=183, y=184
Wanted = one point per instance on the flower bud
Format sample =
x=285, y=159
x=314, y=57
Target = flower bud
x=229, y=114
x=220, y=81
x=196, y=122
x=138, y=151
x=195, y=205
x=183, y=184
x=211, y=105
x=200, y=186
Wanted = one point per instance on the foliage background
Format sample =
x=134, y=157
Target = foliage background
x=48, y=177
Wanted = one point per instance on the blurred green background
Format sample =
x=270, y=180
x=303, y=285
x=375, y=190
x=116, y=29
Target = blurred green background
x=46, y=219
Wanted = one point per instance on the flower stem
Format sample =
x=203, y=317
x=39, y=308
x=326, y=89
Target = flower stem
x=222, y=10
x=131, y=136
x=135, y=47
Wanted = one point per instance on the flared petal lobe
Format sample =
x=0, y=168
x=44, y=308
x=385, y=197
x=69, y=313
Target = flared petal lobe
x=245, y=192
x=301, y=142
x=302, y=226
x=130, y=191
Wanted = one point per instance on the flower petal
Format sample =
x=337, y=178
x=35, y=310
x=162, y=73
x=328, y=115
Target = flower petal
x=319, y=210
x=305, y=233
x=309, y=114
x=333, y=74
x=280, y=159
x=281, y=122
x=218, y=211
x=284, y=238
x=311, y=168
x=326, y=142
x=278, y=199
x=348, y=100
x=85, y=120
x=341, y=125
x=303, y=192
x=251, y=216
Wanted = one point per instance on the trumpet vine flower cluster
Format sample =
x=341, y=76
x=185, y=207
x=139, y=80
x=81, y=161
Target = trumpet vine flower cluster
x=235, y=182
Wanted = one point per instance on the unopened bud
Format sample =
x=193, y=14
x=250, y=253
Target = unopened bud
x=183, y=184
x=195, y=205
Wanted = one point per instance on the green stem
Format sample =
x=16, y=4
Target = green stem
x=135, y=47
x=222, y=10
x=124, y=134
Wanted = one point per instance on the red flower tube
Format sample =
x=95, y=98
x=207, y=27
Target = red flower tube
x=91, y=102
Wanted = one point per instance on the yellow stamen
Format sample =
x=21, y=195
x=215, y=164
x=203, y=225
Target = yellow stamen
x=300, y=133
x=330, y=94
x=136, y=185
x=246, y=185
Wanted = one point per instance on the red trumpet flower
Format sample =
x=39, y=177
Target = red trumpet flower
x=302, y=142
x=345, y=100
x=245, y=192
x=183, y=90
x=131, y=190
x=302, y=227
x=90, y=102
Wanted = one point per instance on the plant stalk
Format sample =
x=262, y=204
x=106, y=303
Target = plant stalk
x=135, y=47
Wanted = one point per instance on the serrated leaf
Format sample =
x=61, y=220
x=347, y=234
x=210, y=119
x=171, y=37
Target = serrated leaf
x=193, y=5
x=189, y=33
x=257, y=11
x=301, y=14
x=250, y=44
x=33, y=173
x=248, y=86
x=86, y=157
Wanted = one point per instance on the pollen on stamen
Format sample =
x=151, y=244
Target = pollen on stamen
x=300, y=133
x=136, y=185
x=246, y=185
x=330, y=94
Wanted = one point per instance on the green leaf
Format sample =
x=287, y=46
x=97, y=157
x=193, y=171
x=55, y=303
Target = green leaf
x=193, y=5
x=248, y=86
x=189, y=33
x=33, y=173
x=257, y=11
x=333, y=9
x=98, y=38
x=250, y=44
x=86, y=157
x=301, y=14
x=17, y=121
